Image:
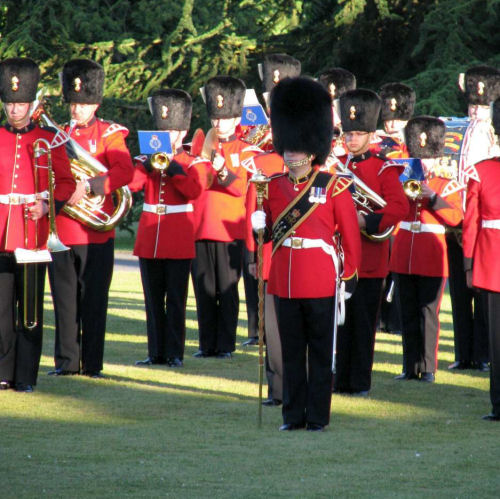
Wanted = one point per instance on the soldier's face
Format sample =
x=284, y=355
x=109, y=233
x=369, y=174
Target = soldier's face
x=358, y=142
x=176, y=138
x=477, y=112
x=18, y=113
x=225, y=127
x=82, y=113
x=394, y=126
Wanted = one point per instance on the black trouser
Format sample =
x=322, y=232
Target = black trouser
x=165, y=284
x=305, y=327
x=468, y=309
x=216, y=272
x=80, y=279
x=251, y=296
x=420, y=298
x=390, y=315
x=20, y=347
x=356, y=338
x=493, y=304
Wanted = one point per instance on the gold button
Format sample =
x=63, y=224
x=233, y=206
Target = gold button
x=18, y=155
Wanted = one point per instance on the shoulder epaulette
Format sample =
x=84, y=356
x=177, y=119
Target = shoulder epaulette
x=388, y=163
x=451, y=187
x=113, y=128
x=141, y=157
x=252, y=148
x=342, y=182
x=197, y=160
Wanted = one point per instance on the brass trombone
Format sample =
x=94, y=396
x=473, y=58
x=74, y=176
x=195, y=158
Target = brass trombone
x=41, y=147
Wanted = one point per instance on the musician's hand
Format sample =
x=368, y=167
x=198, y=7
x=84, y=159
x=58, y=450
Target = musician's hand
x=350, y=285
x=218, y=162
x=468, y=278
x=38, y=210
x=78, y=194
x=361, y=221
x=97, y=185
x=252, y=270
x=427, y=192
x=258, y=219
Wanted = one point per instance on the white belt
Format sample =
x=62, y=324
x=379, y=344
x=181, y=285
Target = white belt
x=490, y=224
x=303, y=243
x=167, y=209
x=15, y=198
x=420, y=227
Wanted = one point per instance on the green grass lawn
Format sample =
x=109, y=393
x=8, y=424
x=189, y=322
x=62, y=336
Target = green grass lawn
x=192, y=432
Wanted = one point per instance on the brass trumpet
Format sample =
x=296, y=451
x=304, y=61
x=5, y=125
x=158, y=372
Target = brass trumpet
x=160, y=161
x=412, y=188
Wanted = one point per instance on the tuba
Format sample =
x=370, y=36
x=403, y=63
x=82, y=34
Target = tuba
x=89, y=210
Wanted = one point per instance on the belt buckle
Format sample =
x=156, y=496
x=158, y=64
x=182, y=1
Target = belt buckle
x=297, y=242
x=14, y=198
x=161, y=209
x=415, y=226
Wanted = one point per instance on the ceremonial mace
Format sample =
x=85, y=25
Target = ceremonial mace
x=260, y=181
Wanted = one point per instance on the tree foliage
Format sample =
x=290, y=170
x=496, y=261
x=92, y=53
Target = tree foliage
x=147, y=44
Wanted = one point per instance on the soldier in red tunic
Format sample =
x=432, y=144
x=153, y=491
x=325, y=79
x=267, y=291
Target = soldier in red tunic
x=481, y=240
x=80, y=278
x=23, y=220
x=269, y=163
x=359, y=111
x=398, y=103
x=419, y=259
x=273, y=69
x=303, y=211
x=337, y=81
x=220, y=222
x=165, y=235
x=480, y=86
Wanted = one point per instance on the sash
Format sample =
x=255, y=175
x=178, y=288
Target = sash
x=299, y=209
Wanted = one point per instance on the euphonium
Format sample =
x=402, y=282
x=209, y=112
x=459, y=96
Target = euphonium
x=89, y=210
x=367, y=201
x=159, y=161
x=412, y=188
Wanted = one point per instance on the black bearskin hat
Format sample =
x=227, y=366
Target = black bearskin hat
x=398, y=101
x=482, y=85
x=495, y=116
x=359, y=110
x=224, y=97
x=301, y=118
x=19, y=79
x=425, y=136
x=82, y=81
x=171, y=109
x=276, y=67
x=337, y=81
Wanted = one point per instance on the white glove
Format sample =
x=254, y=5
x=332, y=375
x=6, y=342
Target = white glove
x=258, y=219
x=218, y=163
